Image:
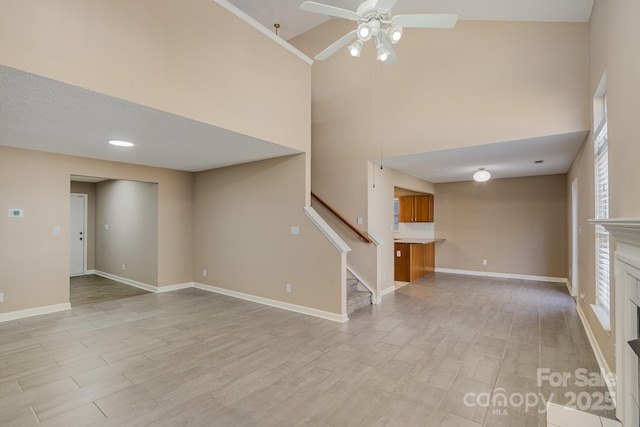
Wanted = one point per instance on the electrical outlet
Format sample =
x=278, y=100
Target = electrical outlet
x=484, y=262
x=1, y=297
x=288, y=287
x=123, y=267
x=359, y=220
x=204, y=273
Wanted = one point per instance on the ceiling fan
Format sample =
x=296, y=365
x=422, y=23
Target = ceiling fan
x=375, y=22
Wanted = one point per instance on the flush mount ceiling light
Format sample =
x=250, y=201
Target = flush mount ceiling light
x=481, y=175
x=375, y=20
x=121, y=143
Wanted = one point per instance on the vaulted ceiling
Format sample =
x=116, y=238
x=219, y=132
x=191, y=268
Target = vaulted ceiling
x=293, y=21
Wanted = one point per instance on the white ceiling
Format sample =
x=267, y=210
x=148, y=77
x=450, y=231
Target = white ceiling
x=293, y=21
x=47, y=115
x=504, y=159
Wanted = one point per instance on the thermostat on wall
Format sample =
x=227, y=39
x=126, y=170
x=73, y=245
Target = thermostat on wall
x=16, y=213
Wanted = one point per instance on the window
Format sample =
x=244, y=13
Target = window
x=601, y=182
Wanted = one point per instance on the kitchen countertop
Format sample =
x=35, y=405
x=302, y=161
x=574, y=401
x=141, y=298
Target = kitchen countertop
x=417, y=241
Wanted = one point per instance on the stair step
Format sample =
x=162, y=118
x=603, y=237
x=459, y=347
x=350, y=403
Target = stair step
x=352, y=284
x=357, y=300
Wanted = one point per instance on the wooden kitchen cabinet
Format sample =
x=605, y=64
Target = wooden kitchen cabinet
x=413, y=261
x=416, y=208
x=402, y=262
x=429, y=258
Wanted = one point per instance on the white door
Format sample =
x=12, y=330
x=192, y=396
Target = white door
x=77, y=234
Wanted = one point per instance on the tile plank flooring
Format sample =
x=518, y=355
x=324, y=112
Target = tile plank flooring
x=92, y=288
x=192, y=358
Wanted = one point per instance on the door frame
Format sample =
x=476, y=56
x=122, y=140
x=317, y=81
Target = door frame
x=575, y=231
x=85, y=198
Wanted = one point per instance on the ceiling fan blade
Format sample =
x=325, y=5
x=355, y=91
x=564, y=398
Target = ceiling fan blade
x=325, y=9
x=385, y=5
x=393, y=57
x=336, y=46
x=443, y=20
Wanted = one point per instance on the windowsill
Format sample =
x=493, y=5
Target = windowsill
x=603, y=317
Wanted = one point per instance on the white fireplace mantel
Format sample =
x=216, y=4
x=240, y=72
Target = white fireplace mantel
x=626, y=232
x=623, y=229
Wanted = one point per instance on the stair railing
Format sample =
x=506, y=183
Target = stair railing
x=353, y=228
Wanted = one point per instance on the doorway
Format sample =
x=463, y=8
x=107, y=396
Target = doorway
x=78, y=235
x=119, y=231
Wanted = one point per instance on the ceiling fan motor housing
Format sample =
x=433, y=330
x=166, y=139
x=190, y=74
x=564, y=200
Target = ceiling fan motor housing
x=375, y=21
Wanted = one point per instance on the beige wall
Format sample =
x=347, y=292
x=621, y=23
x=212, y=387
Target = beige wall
x=481, y=82
x=130, y=209
x=518, y=225
x=192, y=58
x=170, y=56
x=614, y=40
x=89, y=189
x=243, y=219
x=34, y=262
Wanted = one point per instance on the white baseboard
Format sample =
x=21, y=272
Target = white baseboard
x=503, y=275
x=274, y=303
x=341, y=318
x=126, y=281
x=387, y=291
x=570, y=289
x=37, y=311
x=605, y=371
x=176, y=287
x=145, y=286
x=89, y=272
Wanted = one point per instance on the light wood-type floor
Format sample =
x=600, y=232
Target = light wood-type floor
x=192, y=358
x=91, y=288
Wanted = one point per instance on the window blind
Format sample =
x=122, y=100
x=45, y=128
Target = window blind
x=601, y=178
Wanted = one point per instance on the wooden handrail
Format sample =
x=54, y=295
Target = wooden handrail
x=360, y=234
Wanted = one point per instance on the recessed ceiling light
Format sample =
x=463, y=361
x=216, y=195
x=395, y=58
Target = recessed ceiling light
x=481, y=175
x=121, y=143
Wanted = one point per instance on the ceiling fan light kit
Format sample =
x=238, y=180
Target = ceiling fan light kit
x=356, y=48
x=375, y=21
x=394, y=33
x=364, y=32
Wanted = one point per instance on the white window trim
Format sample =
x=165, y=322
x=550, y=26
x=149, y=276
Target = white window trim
x=603, y=316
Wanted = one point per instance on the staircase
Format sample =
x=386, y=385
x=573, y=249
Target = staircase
x=358, y=296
